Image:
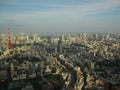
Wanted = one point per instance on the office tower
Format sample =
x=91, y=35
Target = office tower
x=55, y=49
x=60, y=46
x=62, y=37
x=50, y=39
x=22, y=38
x=17, y=39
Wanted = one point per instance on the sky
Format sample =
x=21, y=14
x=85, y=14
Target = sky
x=60, y=15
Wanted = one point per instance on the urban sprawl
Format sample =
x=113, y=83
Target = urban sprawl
x=60, y=61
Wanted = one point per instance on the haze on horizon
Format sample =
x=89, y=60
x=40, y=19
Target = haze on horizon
x=60, y=15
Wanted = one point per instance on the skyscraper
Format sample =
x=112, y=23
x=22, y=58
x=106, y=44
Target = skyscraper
x=60, y=46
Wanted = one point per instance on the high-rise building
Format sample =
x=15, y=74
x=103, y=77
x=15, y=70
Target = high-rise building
x=62, y=37
x=50, y=39
x=17, y=39
x=55, y=49
x=35, y=37
x=22, y=38
x=60, y=46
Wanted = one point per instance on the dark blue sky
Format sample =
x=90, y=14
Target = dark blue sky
x=60, y=15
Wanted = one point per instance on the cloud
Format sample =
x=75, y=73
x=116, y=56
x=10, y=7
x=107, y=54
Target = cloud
x=62, y=16
x=67, y=8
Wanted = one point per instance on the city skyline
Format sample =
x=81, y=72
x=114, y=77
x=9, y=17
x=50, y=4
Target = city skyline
x=60, y=16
